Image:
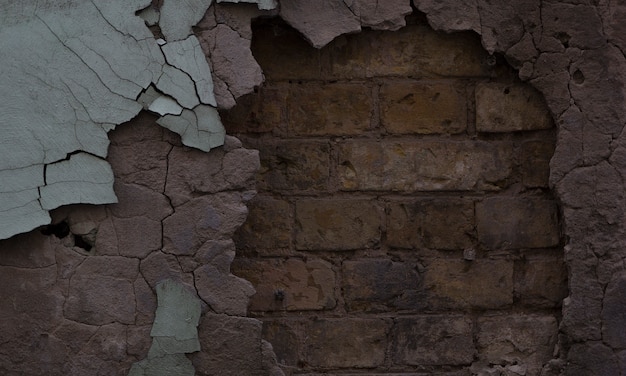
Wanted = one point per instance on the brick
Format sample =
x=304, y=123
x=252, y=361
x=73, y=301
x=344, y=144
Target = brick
x=284, y=54
x=413, y=51
x=285, y=335
x=329, y=109
x=502, y=107
x=381, y=285
x=292, y=284
x=513, y=223
x=433, y=340
x=541, y=282
x=354, y=343
x=337, y=224
x=294, y=165
x=418, y=107
x=410, y=166
x=453, y=283
x=431, y=223
x=536, y=157
x=259, y=112
x=527, y=339
x=263, y=236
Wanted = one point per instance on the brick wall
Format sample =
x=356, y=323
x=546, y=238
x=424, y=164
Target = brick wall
x=404, y=222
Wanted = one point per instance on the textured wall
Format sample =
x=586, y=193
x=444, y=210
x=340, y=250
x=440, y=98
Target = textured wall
x=412, y=227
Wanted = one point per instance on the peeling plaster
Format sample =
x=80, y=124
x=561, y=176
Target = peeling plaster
x=72, y=71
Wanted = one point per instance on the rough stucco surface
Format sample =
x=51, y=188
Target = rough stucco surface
x=72, y=71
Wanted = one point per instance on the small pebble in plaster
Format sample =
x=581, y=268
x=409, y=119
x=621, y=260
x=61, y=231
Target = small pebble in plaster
x=469, y=254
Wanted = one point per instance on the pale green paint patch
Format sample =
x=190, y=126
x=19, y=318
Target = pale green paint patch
x=262, y=4
x=174, y=332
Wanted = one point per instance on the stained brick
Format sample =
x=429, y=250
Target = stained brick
x=420, y=107
x=286, y=336
x=258, y=112
x=541, y=282
x=529, y=339
x=433, y=340
x=424, y=165
x=292, y=285
x=512, y=223
x=446, y=223
x=453, y=283
x=358, y=343
x=330, y=109
x=413, y=51
x=381, y=285
x=536, y=157
x=263, y=236
x=502, y=107
x=337, y=224
x=294, y=165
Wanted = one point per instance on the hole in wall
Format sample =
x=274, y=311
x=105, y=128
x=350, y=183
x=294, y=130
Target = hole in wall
x=353, y=116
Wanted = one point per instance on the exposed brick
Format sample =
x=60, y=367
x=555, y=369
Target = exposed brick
x=298, y=59
x=424, y=165
x=512, y=223
x=432, y=223
x=337, y=224
x=433, y=340
x=502, y=107
x=381, y=285
x=358, y=343
x=292, y=285
x=259, y=112
x=541, y=282
x=526, y=340
x=536, y=157
x=453, y=283
x=286, y=336
x=264, y=236
x=329, y=109
x=413, y=51
x=420, y=107
x=294, y=165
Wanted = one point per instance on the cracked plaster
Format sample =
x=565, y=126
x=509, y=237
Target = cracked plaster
x=72, y=71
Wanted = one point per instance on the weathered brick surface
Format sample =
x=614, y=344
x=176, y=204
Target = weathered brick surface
x=433, y=340
x=286, y=336
x=453, y=283
x=262, y=235
x=330, y=109
x=417, y=107
x=292, y=285
x=258, y=112
x=541, y=282
x=424, y=165
x=502, y=107
x=431, y=223
x=358, y=343
x=337, y=224
x=536, y=163
x=381, y=285
x=510, y=223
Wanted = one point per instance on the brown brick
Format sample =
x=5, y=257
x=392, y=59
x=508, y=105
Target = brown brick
x=286, y=336
x=381, y=285
x=261, y=235
x=536, y=157
x=329, y=109
x=337, y=224
x=293, y=165
x=424, y=165
x=433, y=340
x=358, y=343
x=513, y=223
x=502, y=107
x=529, y=339
x=414, y=51
x=541, y=282
x=423, y=107
x=284, y=54
x=431, y=223
x=453, y=283
x=258, y=112
x=292, y=285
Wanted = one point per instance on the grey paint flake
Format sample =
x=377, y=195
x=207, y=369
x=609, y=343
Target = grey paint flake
x=72, y=71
